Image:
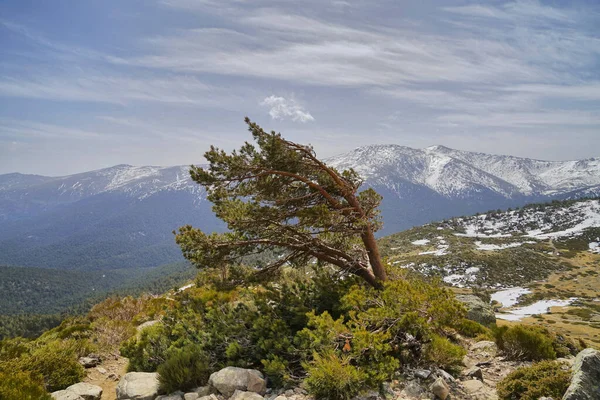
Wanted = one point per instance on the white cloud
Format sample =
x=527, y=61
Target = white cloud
x=282, y=108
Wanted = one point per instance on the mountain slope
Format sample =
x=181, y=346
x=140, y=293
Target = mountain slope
x=123, y=216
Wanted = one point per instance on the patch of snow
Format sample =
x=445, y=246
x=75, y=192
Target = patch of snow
x=539, y=307
x=509, y=297
x=441, y=251
x=471, y=270
x=493, y=247
x=594, y=247
x=421, y=242
x=454, y=280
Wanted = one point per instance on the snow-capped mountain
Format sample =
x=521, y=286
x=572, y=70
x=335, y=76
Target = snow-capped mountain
x=124, y=215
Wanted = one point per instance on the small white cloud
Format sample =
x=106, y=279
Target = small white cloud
x=282, y=108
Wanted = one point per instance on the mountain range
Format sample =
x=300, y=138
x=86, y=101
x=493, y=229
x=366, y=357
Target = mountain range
x=123, y=216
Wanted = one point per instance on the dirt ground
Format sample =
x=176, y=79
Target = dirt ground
x=107, y=375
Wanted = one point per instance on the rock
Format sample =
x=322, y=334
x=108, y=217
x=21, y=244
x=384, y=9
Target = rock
x=230, y=379
x=65, y=395
x=478, y=391
x=545, y=398
x=423, y=373
x=90, y=361
x=473, y=372
x=86, y=391
x=369, y=395
x=138, y=386
x=241, y=395
x=481, y=353
x=209, y=397
x=477, y=309
x=103, y=371
x=440, y=388
x=114, y=377
x=445, y=375
x=412, y=390
x=585, y=383
x=172, y=396
x=202, y=391
x=191, y=396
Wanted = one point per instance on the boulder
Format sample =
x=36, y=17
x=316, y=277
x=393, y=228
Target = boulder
x=241, y=395
x=473, y=372
x=477, y=309
x=477, y=390
x=585, y=383
x=65, y=395
x=484, y=350
x=209, y=397
x=87, y=391
x=440, y=388
x=423, y=373
x=90, y=361
x=412, y=390
x=202, y=391
x=191, y=396
x=138, y=386
x=230, y=379
x=172, y=396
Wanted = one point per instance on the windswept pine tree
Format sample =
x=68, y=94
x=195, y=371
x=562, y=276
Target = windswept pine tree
x=278, y=195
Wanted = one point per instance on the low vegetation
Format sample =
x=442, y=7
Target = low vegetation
x=543, y=379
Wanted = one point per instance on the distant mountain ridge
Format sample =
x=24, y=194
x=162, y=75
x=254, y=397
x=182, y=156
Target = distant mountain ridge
x=123, y=215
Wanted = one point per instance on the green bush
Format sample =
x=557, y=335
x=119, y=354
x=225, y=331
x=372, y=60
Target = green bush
x=185, y=369
x=543, y=379
x=527, y=343
x=333, y=378
x=472, y=329
x=21, y=386
x=57, y=363
x=147, y=351
x=444, y=354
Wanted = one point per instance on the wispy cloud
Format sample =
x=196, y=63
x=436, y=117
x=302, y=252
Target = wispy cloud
x=282, y=108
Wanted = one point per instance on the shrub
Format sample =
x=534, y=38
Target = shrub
x=444, y=354
x=21, y=386
x=472, y=329
x=331, y=377
x=543, y=379
x=185, y=369
x=147, y=351
x=57, y=363
x=528, y=343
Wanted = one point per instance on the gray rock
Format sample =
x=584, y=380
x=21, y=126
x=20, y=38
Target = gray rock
x=65, y=395
x=172, y=396
x=478, y=391
x=477, y=309
x=412, y=390
x=423, y=373
x=87, y=391
x=445, y=375
x=191, y=396
x=138, y=386
x=202, y=391
x=474, y=372
x=585, y=383
x=241, y=395
x=89, y=362
x=440, y=388
x=485, y=348
x=369, y=395
x=103, y=371
x=208, y=397
x=230, y=379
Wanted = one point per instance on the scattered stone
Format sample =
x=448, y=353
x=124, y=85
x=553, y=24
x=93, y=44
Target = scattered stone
x=114, y=377
x=474, y=372
x=202, y=391
x=477, y=309
x=230, y=379
x=478, y=391
x=423, y=373
x=90, y=361
x=101, y=370
x=440, y=388
x=209, y=397
x=412, y=390
x=65, y=395
x=585, y=383
x=86, y=391
x=369, y=395
x=241, y=395
x=138, y=386
x=445, y=375
x=172, y=396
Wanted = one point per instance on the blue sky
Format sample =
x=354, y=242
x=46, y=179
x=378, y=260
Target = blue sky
x=90, y=84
